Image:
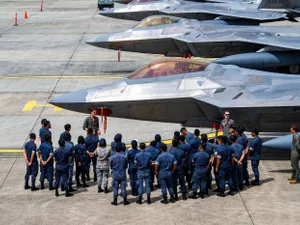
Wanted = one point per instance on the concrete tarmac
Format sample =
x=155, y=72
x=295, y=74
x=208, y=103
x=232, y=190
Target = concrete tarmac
x=46, y=56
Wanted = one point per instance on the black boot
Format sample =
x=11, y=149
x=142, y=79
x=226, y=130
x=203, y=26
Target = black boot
x=68, y=194
x=95, y=178
x=62, y=188
x=56, y=192
x=134, y=192
x=151, y=187
x=176, y=197
x=165, y=200
x=216, y=190
x=194, y=195
x=201, y=195
x=26, y=187
x=235, y=188
x=255, y=182
x=126, y=202
x=34, y=188
x=148, y=199
x=100, y=189
x=172, y=199
x=139, y=201
x=85, y=185
x=184, y=197
x=78, y=184
x=106, y=190
x=42, y=186
x=221, y=194
x=71, y=188
x=241, y=187
x=88, y=177
x=231, y=193
x=247, y=183
x=51, y=187
x=114, y=202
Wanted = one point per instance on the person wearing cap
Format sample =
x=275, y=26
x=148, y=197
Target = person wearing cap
x=32, y=166
x=118, y=164
x=255, y=152
x=200, y=161
x=91, y=142
x=188, y=135
x=143, y=161
x=102, y=169
x=132, y=169
x=226, y=123
x=92, y=122
x=178, y=175
x=165, y=166
x=154, y=154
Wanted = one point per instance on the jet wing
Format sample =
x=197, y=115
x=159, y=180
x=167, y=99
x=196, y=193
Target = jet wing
x=242, y=13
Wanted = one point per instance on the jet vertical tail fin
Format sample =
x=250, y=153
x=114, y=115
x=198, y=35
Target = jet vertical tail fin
x=279, y=4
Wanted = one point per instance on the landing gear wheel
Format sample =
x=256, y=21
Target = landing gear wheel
x=294, y=69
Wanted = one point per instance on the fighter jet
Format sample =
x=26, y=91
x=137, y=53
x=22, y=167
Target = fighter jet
x=193, y=10
x=172, y=36
x=194, y=93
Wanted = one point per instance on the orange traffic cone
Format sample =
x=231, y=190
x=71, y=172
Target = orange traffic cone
x=25, y=15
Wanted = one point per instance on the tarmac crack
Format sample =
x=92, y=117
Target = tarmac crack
x=245, y=206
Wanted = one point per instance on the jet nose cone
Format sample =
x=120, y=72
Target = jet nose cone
x=74, y=101
x=100, y=41
x=282, y=143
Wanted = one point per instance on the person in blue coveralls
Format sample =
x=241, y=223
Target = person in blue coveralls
x=165, y=166
x=132, y=169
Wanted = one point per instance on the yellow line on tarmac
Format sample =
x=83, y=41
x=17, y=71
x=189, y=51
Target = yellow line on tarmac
x=62, y=77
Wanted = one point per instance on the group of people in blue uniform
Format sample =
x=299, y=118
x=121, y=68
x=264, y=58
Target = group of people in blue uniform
x=189, y=162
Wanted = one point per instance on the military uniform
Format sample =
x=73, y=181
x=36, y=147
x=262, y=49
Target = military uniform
x=143, y=160
x=91, y=142
x=102, y=168
x=70, y=150
x=46, y=150
x=118, y=164
x=61, y=167
x=166, y=161
x=225, y=153
x=238, y=170
x=187, y=151
x=178, y=174
x=210, y=151
x=243, y=140
x=200, y=160
x=32, y=170
x=132, y=170
x=295, y=157
x=43, y=132
x=90, y=122
x=82, y=158
x=154, y=154
x=255, y=152
x=63, y=134
x=189, y=137
x=226, y=126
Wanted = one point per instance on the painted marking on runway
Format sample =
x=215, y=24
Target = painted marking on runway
x=167, y=142
x=32, y=104
x=61, y=77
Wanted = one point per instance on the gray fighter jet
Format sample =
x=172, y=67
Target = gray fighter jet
x=195, y=93
x=173, y=36
x=193, y=10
